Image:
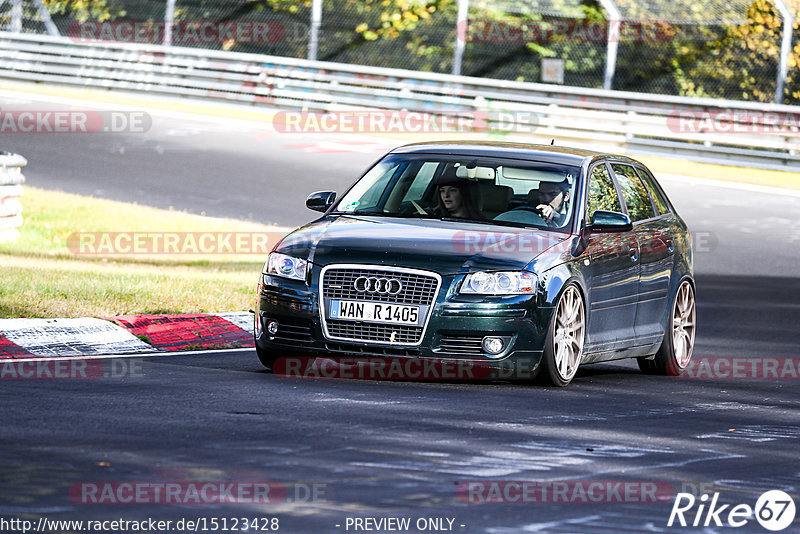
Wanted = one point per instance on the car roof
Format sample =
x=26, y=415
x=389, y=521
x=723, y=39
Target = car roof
x=550, y=153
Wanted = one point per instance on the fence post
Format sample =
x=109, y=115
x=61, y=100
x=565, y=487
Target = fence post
x=614, y=21
x=786, y=48
x=169, y=22
x=11, y=180
x=462, y=23
x=313, y=34
x=16, y=16
x=52, y=29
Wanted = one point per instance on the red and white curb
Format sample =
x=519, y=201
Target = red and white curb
x=131, y=334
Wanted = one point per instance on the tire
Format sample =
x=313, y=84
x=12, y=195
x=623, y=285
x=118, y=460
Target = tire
x=266, y=357
x=566, y=335
x=675, y=353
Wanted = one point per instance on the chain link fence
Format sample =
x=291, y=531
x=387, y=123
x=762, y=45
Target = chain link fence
x=709, y=48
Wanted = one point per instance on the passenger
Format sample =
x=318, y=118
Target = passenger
x=455, y=197
x=553, y=199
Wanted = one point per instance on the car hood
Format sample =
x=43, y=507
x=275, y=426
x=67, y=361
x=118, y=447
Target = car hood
x=446, y=247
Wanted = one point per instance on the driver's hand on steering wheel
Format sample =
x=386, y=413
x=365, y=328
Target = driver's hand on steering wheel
x=547, y=212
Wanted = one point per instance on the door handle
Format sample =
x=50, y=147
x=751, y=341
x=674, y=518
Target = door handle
x=634, y=255
x=670, y=246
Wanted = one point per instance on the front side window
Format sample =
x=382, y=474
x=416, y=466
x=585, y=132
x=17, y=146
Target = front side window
x=602, y=193
x=493, y=190
x=634, y=192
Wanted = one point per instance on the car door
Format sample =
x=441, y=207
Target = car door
x=613, y=271
x=656, y=252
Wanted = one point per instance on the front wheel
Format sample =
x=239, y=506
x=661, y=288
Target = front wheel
x=675, y=353
x=266, y=357
x=563, y=347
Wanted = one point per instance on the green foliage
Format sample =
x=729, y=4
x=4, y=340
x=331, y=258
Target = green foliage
x=83, y=10
x=691, y=57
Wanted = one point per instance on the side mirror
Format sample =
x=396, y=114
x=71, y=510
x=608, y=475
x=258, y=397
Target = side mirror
x=321, y=200
x=609, y=221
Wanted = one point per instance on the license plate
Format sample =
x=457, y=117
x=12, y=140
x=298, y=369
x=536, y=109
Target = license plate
x=374, y=312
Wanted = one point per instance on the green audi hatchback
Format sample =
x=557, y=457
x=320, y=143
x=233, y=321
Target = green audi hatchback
x=538, y=258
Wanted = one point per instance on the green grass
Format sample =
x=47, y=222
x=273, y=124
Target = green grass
x=43, y=278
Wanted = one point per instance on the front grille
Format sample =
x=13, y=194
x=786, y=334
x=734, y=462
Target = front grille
x=462, y=345
x=382, y=333
x=361, y=349
x=418, y=289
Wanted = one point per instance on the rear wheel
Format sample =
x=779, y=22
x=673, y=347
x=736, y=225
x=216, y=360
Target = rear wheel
x=563, y=347
x=675, y=353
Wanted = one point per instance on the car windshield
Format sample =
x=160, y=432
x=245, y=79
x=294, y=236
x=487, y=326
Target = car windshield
x=507, y=192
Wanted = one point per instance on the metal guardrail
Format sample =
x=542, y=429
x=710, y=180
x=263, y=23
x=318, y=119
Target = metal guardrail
x=701, y=129
x=11, y=180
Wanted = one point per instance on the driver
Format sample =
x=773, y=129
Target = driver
x=553, y=198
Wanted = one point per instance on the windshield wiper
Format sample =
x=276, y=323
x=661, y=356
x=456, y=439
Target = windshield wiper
x=496, y=223
x=385, y=214
x=458, y=219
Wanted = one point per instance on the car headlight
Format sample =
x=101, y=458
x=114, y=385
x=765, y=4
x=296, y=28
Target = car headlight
x=504, y=283
x=286, y=266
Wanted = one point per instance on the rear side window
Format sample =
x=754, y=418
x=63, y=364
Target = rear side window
x=659, y=200
x=602, y=193
x=634, y=192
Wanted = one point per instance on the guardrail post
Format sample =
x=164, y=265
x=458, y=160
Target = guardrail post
x=462, y=23
x=786, y=48
x=11, y=180
x=313, y=34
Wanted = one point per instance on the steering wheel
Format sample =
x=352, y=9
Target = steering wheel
x=420, y=209
x=537, y=211
x=534, y=209
x=411, y=208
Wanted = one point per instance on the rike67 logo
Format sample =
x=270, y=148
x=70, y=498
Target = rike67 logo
x=774, y=510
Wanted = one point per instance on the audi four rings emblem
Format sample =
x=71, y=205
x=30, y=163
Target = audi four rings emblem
x=381, y=286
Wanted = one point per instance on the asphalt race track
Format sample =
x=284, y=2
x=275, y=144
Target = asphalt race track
x=380, y=449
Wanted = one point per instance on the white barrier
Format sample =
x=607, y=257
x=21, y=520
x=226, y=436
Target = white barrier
x=701, y=129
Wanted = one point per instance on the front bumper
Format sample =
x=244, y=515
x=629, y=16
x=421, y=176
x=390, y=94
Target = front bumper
x=455, y=329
